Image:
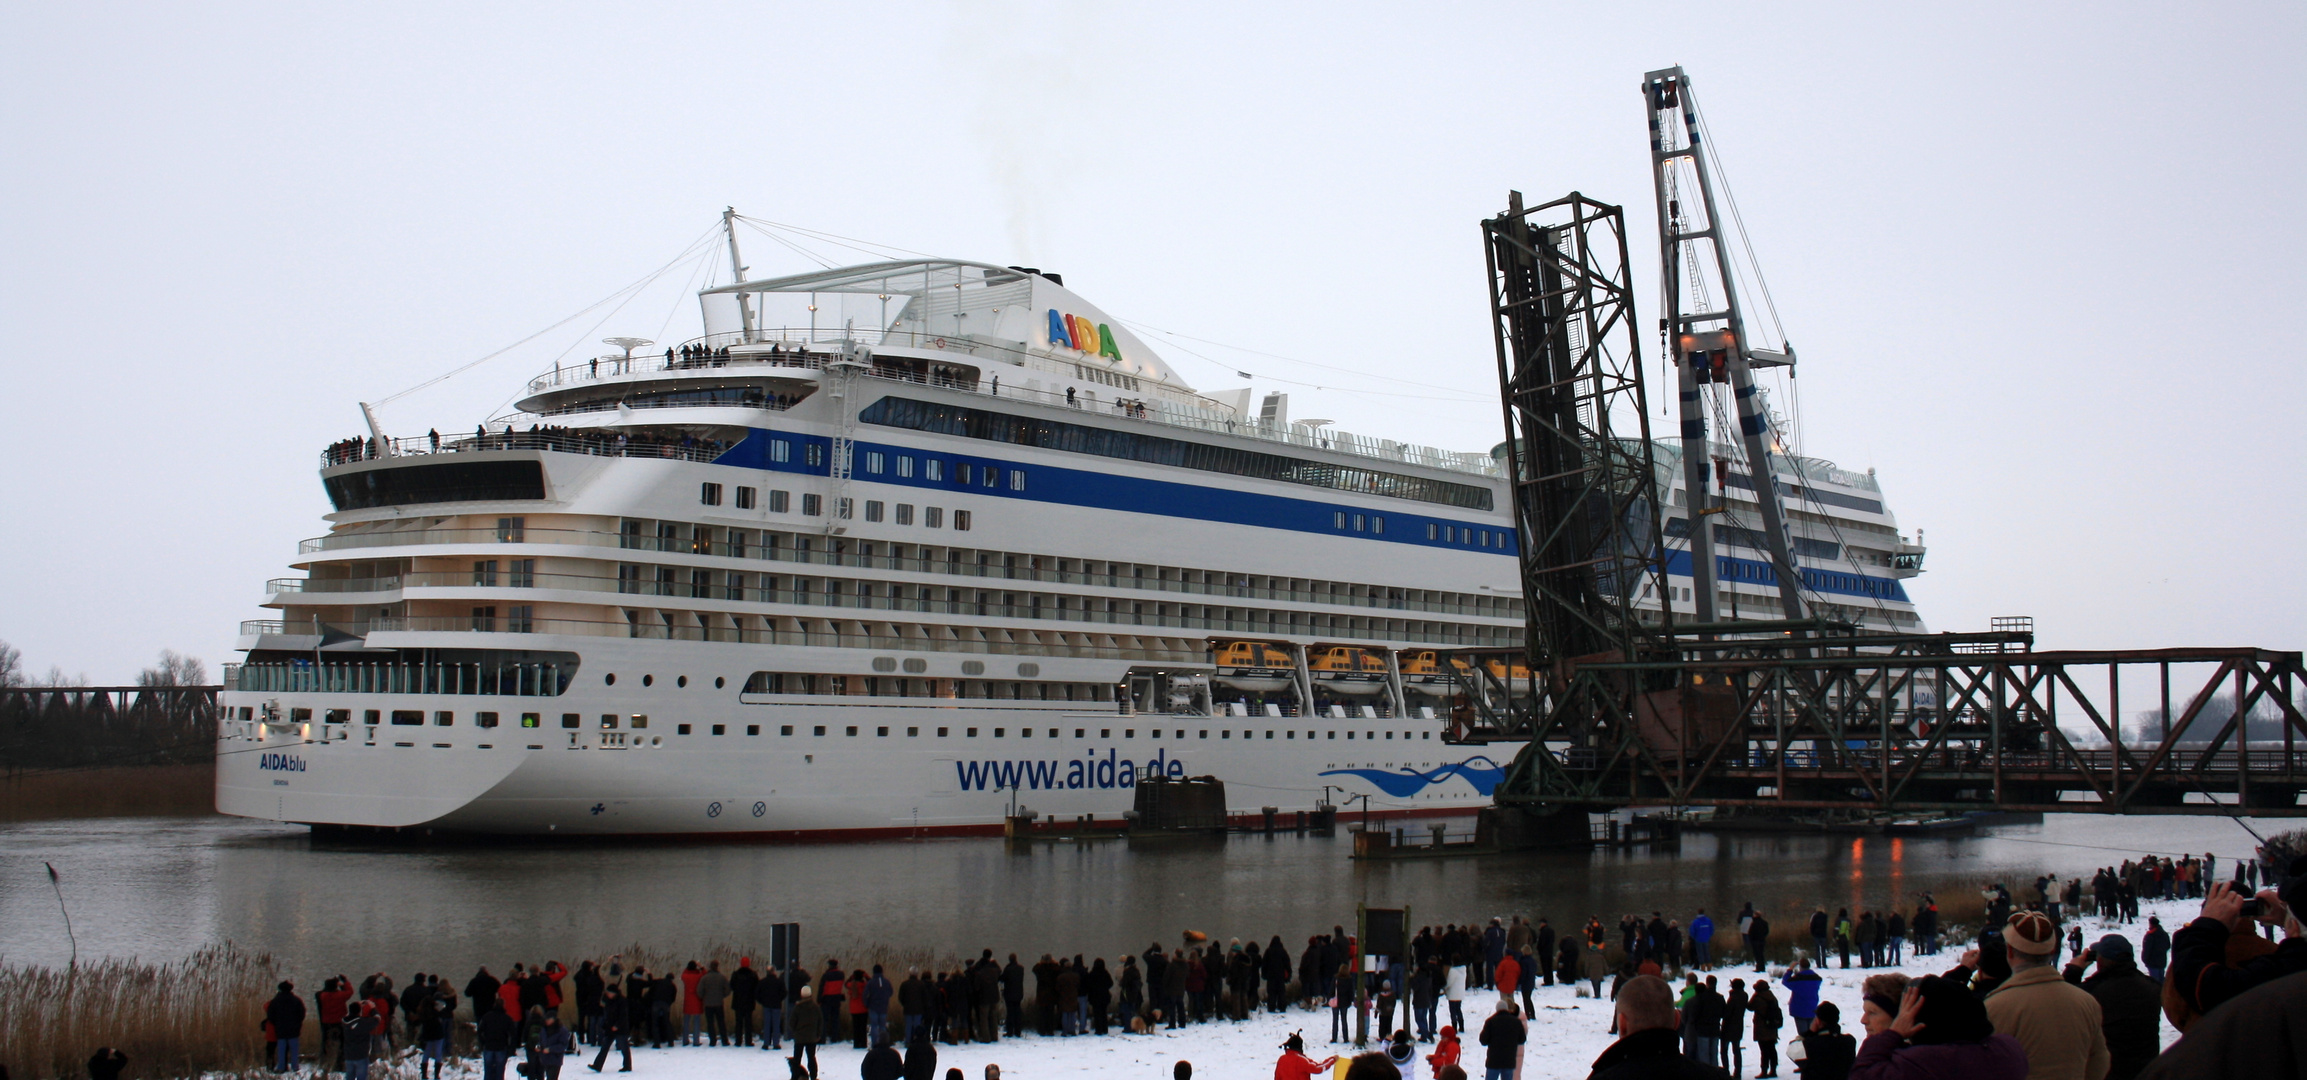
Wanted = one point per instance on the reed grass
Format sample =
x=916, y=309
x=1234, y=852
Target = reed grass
x=125, y=791
x=199, y=1015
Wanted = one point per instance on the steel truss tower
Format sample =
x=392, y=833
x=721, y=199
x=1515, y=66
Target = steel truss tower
x=1577, y=429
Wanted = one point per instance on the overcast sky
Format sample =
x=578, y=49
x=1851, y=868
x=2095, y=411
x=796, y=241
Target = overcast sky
x=2042, y=264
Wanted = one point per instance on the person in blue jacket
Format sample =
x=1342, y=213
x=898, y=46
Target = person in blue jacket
x=1701, y=932
x=1801, y=986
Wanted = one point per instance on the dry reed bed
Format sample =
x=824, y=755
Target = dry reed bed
x=139, y=791
x=203, y=1016
x=197, y=1015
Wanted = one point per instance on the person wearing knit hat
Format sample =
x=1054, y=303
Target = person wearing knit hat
x=2059, y=1024
x=2130, y=1004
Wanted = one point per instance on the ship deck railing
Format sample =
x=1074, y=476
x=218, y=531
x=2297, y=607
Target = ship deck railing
x=564, y=441
x=781, y=554
x=1157, y=403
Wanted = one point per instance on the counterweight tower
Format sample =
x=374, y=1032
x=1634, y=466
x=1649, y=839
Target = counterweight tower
x=1577, y=428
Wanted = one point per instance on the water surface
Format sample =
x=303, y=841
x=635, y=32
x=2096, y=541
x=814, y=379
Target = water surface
x=160, y=888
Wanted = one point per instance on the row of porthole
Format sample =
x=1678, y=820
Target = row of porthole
x=880, y=663
x=610, y=679
x=916, y=666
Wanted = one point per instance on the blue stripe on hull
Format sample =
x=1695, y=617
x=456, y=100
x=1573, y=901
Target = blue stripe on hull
x=1830, y=582
x=1106, y=491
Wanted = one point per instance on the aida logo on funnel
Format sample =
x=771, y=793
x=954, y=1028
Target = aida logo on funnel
x=1081, y=335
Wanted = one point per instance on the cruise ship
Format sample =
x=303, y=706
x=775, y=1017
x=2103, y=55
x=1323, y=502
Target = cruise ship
x=972, y=551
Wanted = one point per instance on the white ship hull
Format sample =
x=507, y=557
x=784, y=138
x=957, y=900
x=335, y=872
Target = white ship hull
x=911, y=781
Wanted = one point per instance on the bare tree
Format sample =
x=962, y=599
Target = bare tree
x=174, y=669
x=11, y=666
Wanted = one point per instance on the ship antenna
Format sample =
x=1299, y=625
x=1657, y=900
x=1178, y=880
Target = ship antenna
x=737, y=269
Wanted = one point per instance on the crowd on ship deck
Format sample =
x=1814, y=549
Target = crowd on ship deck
x=594, y=441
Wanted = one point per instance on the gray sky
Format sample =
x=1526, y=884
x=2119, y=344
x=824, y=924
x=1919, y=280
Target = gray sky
x=2041, y=262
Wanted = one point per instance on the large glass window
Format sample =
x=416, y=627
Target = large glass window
x=992, y=426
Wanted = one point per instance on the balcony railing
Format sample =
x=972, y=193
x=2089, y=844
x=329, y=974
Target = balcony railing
x=332, y=585
x=785, y=554
x=735, y=635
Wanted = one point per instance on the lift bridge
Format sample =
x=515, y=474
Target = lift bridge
x=1803, y=716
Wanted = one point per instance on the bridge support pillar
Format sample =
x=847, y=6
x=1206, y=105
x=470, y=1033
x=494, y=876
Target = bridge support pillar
x=1522, y=828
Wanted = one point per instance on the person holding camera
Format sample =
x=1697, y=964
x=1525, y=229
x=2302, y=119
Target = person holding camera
x=2199, y=968
x=2130, y=1004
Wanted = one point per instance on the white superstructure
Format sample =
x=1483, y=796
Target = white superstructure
x=816, y=580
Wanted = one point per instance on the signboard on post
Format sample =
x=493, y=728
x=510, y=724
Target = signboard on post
x=1382, y=936
x=784, y=945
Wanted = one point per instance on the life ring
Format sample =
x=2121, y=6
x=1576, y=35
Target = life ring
x=937, y=343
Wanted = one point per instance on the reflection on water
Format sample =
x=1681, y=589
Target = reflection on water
x=160, y=888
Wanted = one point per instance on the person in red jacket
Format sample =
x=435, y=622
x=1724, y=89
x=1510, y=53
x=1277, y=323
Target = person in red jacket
x=333, y=998
x=856, y=1001
x=692, y=1006
x=554, y=973
x=1295, y=1065
x=1445, y=1052
x=509, y=996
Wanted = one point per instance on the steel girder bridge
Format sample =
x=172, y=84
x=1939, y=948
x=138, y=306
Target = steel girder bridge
x=1928, y=724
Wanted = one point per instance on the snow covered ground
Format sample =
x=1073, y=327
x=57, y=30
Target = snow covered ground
x=1566, y=1035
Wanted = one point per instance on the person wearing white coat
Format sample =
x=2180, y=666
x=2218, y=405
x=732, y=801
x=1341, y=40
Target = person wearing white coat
x=1454, y=988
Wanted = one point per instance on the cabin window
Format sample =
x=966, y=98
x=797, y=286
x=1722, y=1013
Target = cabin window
x=780, y=502
x=873, y=509
x=815, y=453
x=904, y=465
x=1017, y=479
x=709, y=494
x=960, y=520
x=780, y=451
x=745, y=497
x=933, y=469
x=875, y=462
x=812, y=504
x=1338, y=519
x=905, y=513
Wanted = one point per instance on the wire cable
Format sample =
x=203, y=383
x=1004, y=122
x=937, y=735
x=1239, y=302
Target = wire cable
x=572, y=317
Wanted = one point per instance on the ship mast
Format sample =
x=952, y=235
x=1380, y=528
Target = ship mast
x=737, y=270
x=1708, y=341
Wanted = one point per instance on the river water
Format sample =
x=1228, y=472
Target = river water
x=161, y=888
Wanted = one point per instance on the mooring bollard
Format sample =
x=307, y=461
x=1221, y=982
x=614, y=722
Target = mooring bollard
x=1270, y=812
